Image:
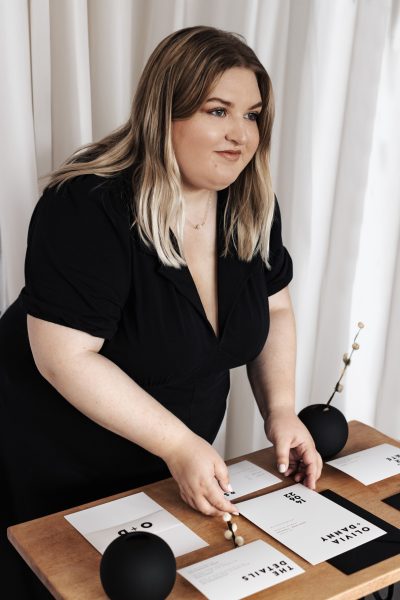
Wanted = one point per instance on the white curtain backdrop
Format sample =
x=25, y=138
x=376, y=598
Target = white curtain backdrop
x=68, y=71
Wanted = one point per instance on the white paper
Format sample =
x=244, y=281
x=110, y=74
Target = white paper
x=246, y=477
x=309, y=524
x=370, y=465
x=241, y=572
x=101, y=524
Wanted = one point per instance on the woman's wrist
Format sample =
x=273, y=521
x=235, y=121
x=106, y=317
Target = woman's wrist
x=280, y=408
x=180, y=439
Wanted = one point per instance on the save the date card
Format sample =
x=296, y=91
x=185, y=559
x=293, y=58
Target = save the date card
x=309, y=524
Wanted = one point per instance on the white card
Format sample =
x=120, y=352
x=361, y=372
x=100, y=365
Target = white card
x=246, y=477
x=370, y=465
x=241, y=572
x=309, y=524
x=101, y=524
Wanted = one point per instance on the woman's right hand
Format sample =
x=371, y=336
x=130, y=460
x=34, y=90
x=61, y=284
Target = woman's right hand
x=201, y=474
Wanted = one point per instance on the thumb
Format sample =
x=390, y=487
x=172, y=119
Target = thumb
x=222, y=475
x=282, y=450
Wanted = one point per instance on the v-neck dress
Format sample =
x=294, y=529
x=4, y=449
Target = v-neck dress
x=87, y=268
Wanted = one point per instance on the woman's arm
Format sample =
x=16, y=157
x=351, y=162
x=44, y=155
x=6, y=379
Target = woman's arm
x=272, y=379
x=69, y=359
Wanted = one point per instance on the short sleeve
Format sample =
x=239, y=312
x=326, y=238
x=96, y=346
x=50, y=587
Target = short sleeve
x=281, y=272
x=77, y=267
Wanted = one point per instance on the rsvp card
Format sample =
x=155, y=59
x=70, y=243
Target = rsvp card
x=309, y=524
x=100, y=525
x=245, y=477
x=241, y=572
x=370, y=465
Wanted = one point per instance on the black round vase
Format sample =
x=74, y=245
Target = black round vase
x=138, y=566
x=328, y=428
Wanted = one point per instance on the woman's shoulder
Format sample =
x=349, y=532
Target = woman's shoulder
x=88, y=193
x=90, y=184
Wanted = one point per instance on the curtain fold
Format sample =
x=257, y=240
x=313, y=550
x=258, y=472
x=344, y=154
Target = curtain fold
x=69, y=69
x=18, y=187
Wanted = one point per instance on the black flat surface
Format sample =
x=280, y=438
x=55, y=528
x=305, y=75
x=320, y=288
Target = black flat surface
x=393, y=501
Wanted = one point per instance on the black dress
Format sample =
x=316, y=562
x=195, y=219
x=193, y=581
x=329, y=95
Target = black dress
x=87, y=268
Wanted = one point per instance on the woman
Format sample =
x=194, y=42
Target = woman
x=151, y=256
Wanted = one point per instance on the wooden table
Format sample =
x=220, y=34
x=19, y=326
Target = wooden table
x=69, y=566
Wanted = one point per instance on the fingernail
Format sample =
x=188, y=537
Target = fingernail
x=282, y=468
x=230, y=488
x=236, y=514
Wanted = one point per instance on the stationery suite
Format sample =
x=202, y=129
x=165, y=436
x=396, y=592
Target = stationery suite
x=308, y=523
x=246, y=477
x=240, y=572
x=101, y=524
x=371, y=465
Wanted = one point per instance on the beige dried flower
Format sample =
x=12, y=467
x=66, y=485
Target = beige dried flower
x=347, y=360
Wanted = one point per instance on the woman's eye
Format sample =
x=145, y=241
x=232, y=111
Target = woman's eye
x=253, y=116
x=218, y=112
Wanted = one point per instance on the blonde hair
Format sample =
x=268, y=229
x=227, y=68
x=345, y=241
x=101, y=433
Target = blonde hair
x=174, y=84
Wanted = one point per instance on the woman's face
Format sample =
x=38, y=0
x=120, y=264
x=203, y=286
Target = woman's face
x=215, y=144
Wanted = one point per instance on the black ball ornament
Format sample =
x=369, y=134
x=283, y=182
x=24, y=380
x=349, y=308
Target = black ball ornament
x=138, y=566
x=328, y=428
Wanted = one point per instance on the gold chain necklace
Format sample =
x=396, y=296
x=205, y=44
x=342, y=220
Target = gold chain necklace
x=203, y=222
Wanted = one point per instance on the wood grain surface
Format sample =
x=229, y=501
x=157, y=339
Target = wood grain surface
x=69, y=566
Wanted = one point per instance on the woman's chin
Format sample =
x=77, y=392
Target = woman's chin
x=224, y=182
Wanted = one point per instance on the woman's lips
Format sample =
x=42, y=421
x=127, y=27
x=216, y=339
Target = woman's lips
x=232, y=155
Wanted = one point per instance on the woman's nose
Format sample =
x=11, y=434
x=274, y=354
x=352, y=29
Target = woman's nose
x=236, y=131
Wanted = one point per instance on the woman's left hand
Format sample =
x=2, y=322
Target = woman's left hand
x=294, y=447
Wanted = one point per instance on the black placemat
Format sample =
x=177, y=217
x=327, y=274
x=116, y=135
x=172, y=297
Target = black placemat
x=370, y=553
x=393, y=501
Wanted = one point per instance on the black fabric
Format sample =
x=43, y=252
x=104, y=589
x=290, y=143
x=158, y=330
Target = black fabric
x=370, y=553
x=87, y=268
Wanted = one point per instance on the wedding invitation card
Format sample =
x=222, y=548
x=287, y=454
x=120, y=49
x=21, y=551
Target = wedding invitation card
x=101, y=524
x=245, y=477
x=240, y=572
x=370, y=465
x=309, y=524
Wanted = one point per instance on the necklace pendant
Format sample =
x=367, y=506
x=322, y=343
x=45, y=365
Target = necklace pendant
x=200, y=225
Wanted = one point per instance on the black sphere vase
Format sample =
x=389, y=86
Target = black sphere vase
x=328, y=428
x=327, y=425
x=138, y=565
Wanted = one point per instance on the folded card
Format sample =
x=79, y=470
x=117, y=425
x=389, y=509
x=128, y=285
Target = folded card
x=101, y=524
x=309, y=524
x=370, y=465
x=241, y=572
x=245, y=477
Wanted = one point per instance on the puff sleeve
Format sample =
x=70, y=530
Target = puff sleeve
x=77, y=267
x=281, y=272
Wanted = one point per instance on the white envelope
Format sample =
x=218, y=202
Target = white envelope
x=100, y=525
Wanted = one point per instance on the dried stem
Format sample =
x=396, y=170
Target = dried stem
x=347, y=362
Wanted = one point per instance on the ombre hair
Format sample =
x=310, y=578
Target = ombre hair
x=174, y=84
